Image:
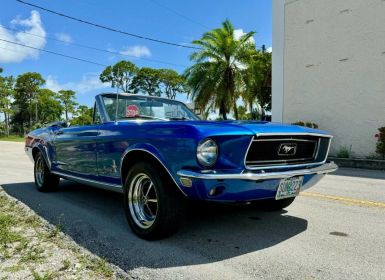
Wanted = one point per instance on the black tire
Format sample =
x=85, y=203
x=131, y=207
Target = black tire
x=45, y=181
x=272, y=204
x=140, y=212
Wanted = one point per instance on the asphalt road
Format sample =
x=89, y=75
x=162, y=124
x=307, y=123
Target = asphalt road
x=335, y=230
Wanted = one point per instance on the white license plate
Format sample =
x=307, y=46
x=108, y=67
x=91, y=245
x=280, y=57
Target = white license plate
x=289, y=187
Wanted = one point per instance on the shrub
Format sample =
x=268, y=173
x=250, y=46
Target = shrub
x=306, y=124
x=380, y=147
x=299, y=123
x=343, y=153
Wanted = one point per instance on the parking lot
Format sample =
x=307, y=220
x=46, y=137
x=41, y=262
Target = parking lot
x=335, y=230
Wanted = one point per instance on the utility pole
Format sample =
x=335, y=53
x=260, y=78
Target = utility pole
x=36, y=111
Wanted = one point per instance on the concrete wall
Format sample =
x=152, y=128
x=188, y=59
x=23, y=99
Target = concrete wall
x=334, y=68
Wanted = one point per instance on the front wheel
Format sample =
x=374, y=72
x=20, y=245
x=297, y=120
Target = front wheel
x=152, y=204
x=44, y=180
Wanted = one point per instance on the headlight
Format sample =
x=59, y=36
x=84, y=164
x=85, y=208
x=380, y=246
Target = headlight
x=207, y=152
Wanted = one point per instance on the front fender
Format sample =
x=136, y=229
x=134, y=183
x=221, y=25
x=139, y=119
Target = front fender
x=154, y=152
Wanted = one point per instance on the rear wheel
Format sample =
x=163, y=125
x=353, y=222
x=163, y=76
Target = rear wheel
x=272, y=204
x=44, y=180
x=152, y=204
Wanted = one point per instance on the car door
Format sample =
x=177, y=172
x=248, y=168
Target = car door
x=111, y=145
x=75, y=150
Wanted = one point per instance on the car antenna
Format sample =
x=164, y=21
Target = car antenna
x=117, y=99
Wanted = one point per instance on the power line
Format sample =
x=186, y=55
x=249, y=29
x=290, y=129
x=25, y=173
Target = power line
x=106, y=27
x=55, y=53
x=94, y=48
x=178, y=14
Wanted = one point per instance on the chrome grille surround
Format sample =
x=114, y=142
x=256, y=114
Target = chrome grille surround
x=265, y=165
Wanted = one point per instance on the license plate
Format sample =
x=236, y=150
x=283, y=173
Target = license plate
x=289, y=187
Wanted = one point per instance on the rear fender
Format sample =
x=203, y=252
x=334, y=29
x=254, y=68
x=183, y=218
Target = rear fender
x=39, y=147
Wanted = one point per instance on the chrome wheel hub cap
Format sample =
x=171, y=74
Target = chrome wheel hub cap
x=143, y=200
x=39, y=171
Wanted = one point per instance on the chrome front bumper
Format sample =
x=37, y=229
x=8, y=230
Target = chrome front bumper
x=213, y=175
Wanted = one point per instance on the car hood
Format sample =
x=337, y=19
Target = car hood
x=248, y=127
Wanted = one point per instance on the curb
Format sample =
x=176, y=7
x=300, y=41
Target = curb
x=373, y=164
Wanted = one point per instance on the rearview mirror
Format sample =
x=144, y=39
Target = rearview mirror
x=151, y=104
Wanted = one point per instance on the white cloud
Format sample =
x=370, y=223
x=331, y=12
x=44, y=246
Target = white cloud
x=13, y=53
x=88, y=82
x=269, y=49
x=136, y=51
x=52, y=84
x=66, y=38
x=239, y=32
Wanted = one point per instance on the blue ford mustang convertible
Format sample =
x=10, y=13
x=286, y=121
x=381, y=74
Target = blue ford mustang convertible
x=157, y=153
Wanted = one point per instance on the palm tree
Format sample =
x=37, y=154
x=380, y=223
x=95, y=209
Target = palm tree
x=216, y=77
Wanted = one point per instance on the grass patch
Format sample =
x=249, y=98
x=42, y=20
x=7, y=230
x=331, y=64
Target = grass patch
x=33, y=255
x=6, y=235
x=55, y=231
x=46, y=276
x=32, y=221
x=13, y=269
x=97, y=265
x=23, y=245
x=13, y=138
x=101, y=267
x=66, y=264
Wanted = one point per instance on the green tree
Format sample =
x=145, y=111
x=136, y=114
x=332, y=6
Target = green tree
x=172, y=82
x=6, y=94
x=119, y=75
x=83, y=116
x=257, y=78
x=147, y=81
x=242, y=113
x=216, y=77
x=50, y=108
x=26, y=89
x=67, y=99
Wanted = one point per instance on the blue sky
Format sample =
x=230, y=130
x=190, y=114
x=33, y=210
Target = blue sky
x=170, y=20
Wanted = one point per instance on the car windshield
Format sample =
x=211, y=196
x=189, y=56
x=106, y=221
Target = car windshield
x=142, y=107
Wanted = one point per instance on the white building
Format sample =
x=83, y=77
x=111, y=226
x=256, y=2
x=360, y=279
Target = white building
x=329, y=68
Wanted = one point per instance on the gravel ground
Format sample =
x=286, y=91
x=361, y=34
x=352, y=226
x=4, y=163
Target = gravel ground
x=31, y=248
x=335, y=230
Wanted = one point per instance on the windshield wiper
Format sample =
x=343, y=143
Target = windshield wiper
x=178, y=119
x=142, y=117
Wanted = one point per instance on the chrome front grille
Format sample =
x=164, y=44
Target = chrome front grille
x=284, y=150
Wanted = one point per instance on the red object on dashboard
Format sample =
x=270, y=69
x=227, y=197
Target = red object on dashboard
x=132, y=111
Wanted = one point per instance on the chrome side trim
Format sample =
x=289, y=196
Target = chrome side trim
x=323, y=169
x=294, y=134
x=261, y=162
x=281, y=166
x=282, y=139
x=276, y=166
x=93, y=183
x=143, y=150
